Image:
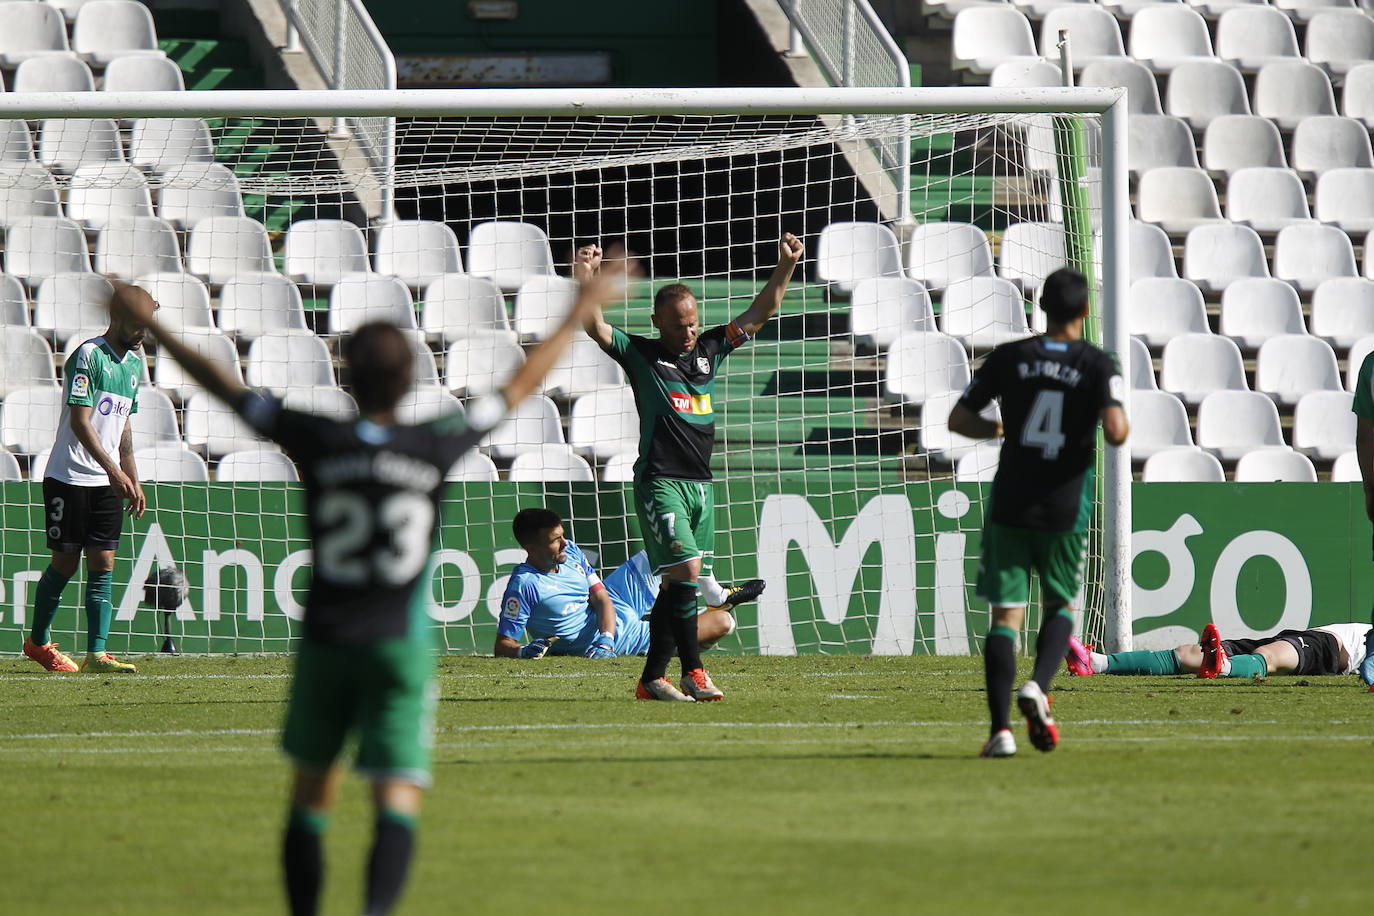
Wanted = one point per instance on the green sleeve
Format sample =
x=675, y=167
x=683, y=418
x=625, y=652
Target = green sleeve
x=620, y=342
x=1364, y=397
x=82, y=379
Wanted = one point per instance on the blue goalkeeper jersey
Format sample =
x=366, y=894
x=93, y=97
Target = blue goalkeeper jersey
x=552, y=603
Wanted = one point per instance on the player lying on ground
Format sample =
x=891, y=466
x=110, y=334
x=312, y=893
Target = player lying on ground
x=567, y=609
x=365, y=664
x=90, y=472
x=1337, y=648
x=673, y=377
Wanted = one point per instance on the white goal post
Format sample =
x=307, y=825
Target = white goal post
x=591, y=142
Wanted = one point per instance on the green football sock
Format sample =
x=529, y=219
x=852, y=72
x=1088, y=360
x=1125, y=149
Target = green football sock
x=46, y=600
x=99, y=610
x=1162, y=662
x=1248, y=666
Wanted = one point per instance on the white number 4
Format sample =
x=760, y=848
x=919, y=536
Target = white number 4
x=1045, y=426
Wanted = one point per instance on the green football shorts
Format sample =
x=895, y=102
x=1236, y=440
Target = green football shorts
x=678, y=521
x=385, y=692
x=1009, y=555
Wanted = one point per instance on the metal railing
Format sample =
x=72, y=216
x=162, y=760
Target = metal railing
x=349, y=52
x=852, y=47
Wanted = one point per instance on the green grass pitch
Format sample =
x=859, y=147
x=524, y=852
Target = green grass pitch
x=826, y=785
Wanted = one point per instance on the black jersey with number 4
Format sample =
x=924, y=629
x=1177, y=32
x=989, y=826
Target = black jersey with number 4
x=372, y=501
x=1051, y=395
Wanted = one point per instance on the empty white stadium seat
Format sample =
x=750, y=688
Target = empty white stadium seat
x=280, y=361
x=1151, y=254
x=223, y=248
x=1275, y=464
x=424, y=369
x=1231, y=423
x=101, y=193
x=29, y=418
x=254, y=304
x=979, y=464
x=939, y=253
x=73, y=305
x=30, y=30
x=1338, y=40
x=64, y=145
x=1251, y=36
x=620, y=468
x=1266, y=200
x=924, y=362
x=1159, y=142
x=1195, y=365
x=421, y=405
x=166, y=144
x=255, y=465
x=184, y=300
x=42, y=246
x=1358, y=351
x=1346, y=469
x=1142, y=369
x=1182, y=465
x=9, y=466
x=508, y=253
x=482, y=362
x=473, y=467
x=882, y=309
x=1324, y=425
x=1031, y=252
x=551, y=463
x=456, y=305
x=170, y=464
x=418, y=251
x=325, y=401
x=1286, y=91
x=1024, y=73
x=1325, y=142
x=38, y=465
x=357, y=299
x=155, y=421
x=1255, y=309
x=1345, y=197
x=14, y=303
x=1159, y=422
x=1217, y=255
x=1142, y=92
x=1290, y=366
x=983, y=312
x=849, y=252
x=26, y=190
x=532, y=423
x=16, y=143
x=1308, y=254
x=541, y=304
x=53, y=73
x=1343, y=310
x=1357, y=96
x=604, y=423
x=194, y=192
x=130, y=248
x=142, y=73
x=1235, y=142
x=106, y=29
x=940, y=443
x=217, y=429
x=321, y=251
x=1095, y=33
x=1177, y=199
x=1161, y=308
x=1167, y=35
x=1304, y=10
x=987, y=36
x=581, y=369
x=210, y=344
x=1202, y=90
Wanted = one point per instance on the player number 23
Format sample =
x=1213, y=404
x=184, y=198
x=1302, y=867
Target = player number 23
x=350, y=524
x=1044, y=427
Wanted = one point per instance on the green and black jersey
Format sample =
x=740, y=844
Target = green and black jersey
x=677, y=426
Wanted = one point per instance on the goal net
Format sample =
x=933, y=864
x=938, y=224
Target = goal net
x=266, y=239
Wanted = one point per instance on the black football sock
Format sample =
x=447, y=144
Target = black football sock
x=1050, y=646
x=303, y=860
x=683, y=614
x=392, y=845
x=662, y=645
x=999, y=670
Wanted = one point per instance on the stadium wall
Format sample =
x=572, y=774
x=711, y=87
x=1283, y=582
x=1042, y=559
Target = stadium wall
x=868, y=569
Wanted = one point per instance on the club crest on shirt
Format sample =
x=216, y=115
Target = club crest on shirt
x=703, y=365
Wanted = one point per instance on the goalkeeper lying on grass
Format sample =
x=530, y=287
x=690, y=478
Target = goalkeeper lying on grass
x=557, y=597
x=1334, y=649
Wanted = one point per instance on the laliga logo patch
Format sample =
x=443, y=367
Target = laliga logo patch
x=703, y=365
x=81, y=386
x=512, y=607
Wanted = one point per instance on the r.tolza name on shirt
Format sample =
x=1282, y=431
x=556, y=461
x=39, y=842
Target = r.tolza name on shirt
x=1045, y=368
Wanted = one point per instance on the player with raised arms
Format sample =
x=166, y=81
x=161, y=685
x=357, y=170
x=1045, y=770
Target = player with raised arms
x=556, y=596
x=673, y=378
x=1053, y=390
x=365, y=663
x=90, y=473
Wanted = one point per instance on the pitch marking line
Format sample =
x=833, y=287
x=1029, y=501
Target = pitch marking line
x=535, y=675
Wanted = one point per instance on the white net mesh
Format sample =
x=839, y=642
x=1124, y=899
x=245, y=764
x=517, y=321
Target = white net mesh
x=837, y=479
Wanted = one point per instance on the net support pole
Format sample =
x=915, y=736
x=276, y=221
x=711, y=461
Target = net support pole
x=1116, y=338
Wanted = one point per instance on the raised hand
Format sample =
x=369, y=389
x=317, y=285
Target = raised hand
x=790, y=249
x=586, y=262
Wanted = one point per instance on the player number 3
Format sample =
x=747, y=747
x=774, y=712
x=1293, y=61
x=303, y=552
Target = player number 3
x=349, y=527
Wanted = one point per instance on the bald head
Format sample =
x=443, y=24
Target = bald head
x=131, y=309
x=675, y=316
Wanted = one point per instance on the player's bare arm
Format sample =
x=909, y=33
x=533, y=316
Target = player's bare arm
x=90, y=440
x=586, y=265
x=975, y=426
x=769, y=299
x=600, y=600
x=505, y=647
x=139, y=503
x=1115, y=426
x=594, y=288
x=1364, y=453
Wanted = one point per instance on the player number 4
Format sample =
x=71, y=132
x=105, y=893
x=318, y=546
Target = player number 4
x=1045, y=426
